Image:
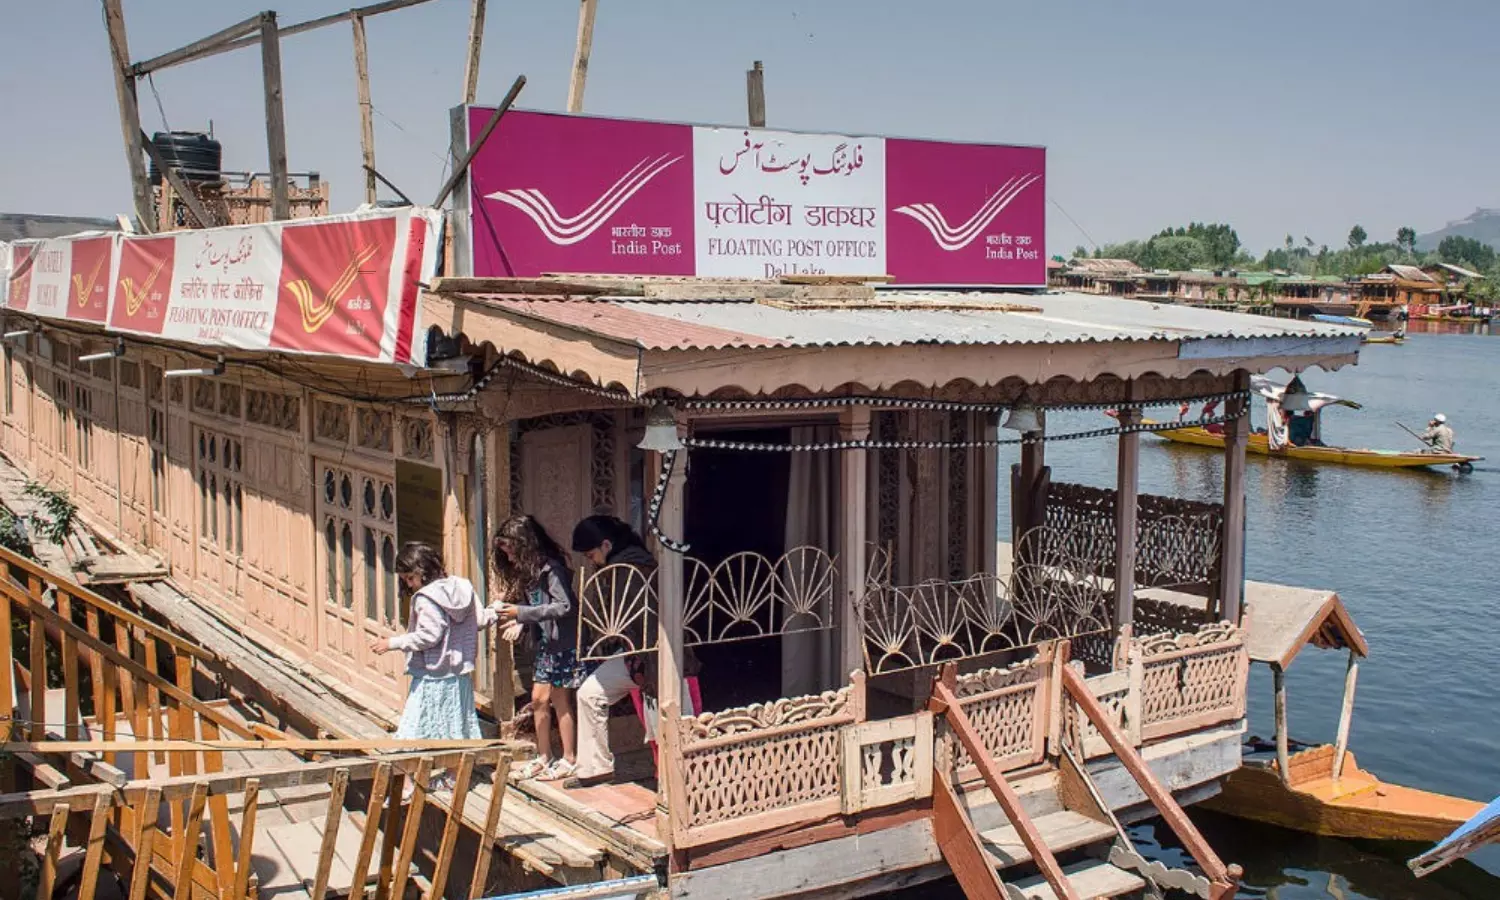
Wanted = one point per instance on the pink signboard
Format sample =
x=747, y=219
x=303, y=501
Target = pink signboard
x=554, y=193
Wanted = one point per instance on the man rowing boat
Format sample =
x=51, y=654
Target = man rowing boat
x=1439, y=435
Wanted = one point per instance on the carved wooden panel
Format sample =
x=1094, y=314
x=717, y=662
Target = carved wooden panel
x=555, y=480
x=1193, y=680
x=1008, y=707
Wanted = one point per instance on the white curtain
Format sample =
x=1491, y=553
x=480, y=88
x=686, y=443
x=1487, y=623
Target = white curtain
x=807, y=659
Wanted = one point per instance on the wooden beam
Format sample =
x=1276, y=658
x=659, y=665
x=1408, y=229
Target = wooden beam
x=1223, y=878
x=180, y=186
x=145, y=838
x=410, y=830
x=375, y=9
x=270, y=65
x=94, y=849
x=461, y=168
x=366, y=110
x=450, y=828
x=361, y=872
x=945, y=702
x=293, y=745
x=586, y=11
x=130, y=114
x=189, y=837
x=755, y=95
x=1346, y=715
x=247, y=841
x=479, y=880
x=476, y=43
x=197, y=49
x=331, y=836
x=961, y=846
x=55, y=833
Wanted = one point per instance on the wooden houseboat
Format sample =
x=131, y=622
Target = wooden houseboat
x=886, y=699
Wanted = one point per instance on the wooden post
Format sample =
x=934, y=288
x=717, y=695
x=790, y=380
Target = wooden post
x=366, y=111
x=476, y=42
x=7, y=654
x=1283, y=755
x=1232, y=567
x=1033, y=461
x=497, y=482
x=1346, y=715
x=755, y=94
x=270, y=64
x=672, y=587
x=586, y=11
x=1127, y=490
x=130, y=114
x=989, y=497
x=854, y=425
x=331, y=831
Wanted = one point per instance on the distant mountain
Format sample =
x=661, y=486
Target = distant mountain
x=1482, y=226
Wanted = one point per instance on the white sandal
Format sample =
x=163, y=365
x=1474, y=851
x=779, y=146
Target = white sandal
x=559, y=769
x=533, y=768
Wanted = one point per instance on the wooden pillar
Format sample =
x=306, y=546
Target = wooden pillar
x=497, y=476
x=1127, y=489
x=366, y=111
x=854, y=425
x=476, y=42
x=586, y=11
x=671, y=589
x=1283, y=755
x=130, y=114
x=988, y=486
x=270, y=64
x=1346, y=715
x=1033, y=464
x=1232, y=545
x=929, y=514
x=755, y=95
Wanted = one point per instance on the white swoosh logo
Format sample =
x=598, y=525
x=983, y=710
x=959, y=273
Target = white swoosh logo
x=950, y=238
x=566, y=230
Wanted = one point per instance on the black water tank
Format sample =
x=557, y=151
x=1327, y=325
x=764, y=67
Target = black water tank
x=194, y=154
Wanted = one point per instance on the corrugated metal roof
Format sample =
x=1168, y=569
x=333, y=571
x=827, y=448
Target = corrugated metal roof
x=1065, y=318
x=1410, y=273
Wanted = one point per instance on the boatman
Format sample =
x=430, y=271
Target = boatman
x=1439, y=435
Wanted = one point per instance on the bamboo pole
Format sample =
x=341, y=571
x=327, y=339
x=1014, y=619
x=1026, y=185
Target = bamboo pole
x=476, y=43
x=1283, y=754
x=1346, y=715
x=366, y=110
x=586, y=11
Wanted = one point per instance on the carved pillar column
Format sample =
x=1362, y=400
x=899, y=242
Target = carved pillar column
x=854, y=425
x=1232, y=545
x=671, y=588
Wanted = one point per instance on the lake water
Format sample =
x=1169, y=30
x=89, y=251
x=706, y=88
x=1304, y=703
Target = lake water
x=1412, y=555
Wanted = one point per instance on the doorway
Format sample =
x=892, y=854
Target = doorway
x=737, y=502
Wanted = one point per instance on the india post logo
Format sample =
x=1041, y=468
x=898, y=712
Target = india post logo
x=335, y=277
x=143, y=288
x=88, y=288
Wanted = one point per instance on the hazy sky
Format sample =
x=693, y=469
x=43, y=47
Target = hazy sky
x=1275, y=116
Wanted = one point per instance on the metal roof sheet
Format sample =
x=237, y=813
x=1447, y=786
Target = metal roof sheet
x=1065, y=318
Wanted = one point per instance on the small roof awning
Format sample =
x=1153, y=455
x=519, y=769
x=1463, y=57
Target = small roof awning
x=1280, y=620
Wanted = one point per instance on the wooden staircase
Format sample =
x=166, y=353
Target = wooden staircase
x=1064, y=847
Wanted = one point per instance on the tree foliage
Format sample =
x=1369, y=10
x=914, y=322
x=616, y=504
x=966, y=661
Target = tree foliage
x=1467, y=252
x=1357, y=237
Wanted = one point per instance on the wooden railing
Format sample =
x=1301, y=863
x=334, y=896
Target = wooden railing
x=1223, y=880
x=1192, y=680
x=123, y=822
x=1010, y=709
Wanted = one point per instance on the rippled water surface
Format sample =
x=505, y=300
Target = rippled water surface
x=1413, y=555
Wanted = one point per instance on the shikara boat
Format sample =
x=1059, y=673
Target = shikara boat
x=1320, y=789
x=1395, y=338
x=1277, y=441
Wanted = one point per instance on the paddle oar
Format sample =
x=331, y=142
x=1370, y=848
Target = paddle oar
x=1421, y=439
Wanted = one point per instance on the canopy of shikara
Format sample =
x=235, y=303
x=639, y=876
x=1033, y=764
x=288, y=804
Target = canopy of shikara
x=746, y=339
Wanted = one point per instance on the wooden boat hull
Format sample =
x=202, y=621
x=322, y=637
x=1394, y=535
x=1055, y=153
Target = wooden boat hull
x=1375, y=459
x=1383, y=339
x=1358, y=805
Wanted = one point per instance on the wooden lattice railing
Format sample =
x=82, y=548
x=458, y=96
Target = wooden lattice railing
x=1010, y=709
x=1193, y=680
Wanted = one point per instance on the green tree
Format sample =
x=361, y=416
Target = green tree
x=1177, y=253
x=1357, y=237
x=1407, y=239
x=1467, y=252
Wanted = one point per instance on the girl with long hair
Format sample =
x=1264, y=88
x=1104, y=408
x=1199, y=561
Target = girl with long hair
x=537, y=589
x=441, y=642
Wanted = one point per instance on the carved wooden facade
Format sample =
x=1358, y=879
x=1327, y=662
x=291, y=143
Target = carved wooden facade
x=237, y=483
